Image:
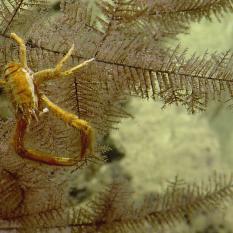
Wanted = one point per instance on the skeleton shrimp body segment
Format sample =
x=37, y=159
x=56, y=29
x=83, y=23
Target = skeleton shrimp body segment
x=20, y=86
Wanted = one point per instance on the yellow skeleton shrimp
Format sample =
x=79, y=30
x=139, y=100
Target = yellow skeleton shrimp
x=23, y=88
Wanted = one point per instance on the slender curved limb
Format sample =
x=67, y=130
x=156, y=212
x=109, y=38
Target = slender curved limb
x=55, y=73
x=23, y=51
x=76, y=68
x=37, y=155
x=87, y=133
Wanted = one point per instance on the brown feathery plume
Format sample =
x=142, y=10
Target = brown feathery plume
x=112, y=211
x=126, y=39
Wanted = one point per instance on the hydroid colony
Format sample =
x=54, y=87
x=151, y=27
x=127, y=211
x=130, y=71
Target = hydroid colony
x=126, y=40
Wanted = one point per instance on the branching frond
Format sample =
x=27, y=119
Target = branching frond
x=159, y=18
x=174, y=78
x=25, y=185
x=175, y=16
x=136, y=65
x=129, y=19
x=112, y=211
x=190, y=10
x=13, y=12
x=115, y=213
